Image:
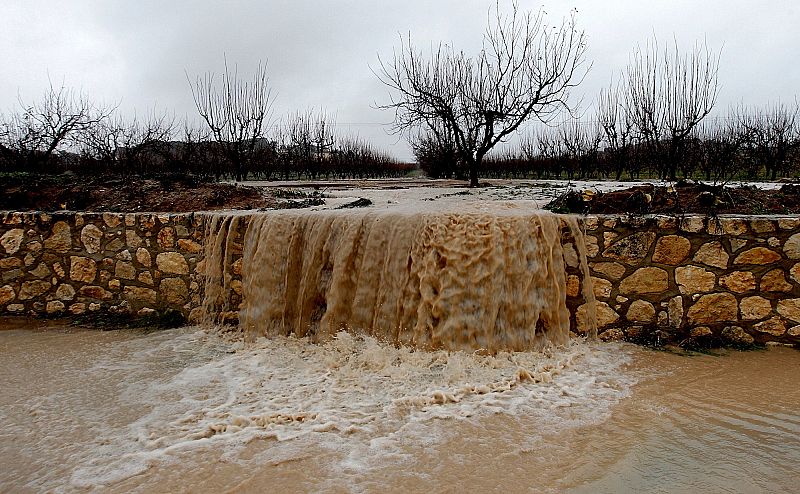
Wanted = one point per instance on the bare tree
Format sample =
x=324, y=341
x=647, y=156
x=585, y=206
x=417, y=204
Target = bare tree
x=41, y=129
x=524, y=70
x=668, y=94
x=617, y=128
x=237, y=113
x=770, y=136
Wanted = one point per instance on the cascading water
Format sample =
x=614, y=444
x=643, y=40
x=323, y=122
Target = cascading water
x=489, y=278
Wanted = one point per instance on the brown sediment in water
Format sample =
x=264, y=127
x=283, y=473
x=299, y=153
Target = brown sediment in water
x=488, y=278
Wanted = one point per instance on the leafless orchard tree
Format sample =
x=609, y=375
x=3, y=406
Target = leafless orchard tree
x=667, y=94
x=525, y=70
x=771, y=136
x=237, y=113
x=43, y=128
x=617, y=129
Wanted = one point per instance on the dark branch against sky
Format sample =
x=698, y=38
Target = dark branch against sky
x=320, y=52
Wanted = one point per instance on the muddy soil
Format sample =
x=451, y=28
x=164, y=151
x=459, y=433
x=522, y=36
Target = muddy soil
x=681, y=198
x=167, y=194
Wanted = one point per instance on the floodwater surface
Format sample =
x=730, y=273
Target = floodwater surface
x=191, y=410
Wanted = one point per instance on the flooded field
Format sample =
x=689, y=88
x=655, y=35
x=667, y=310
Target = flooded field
x=190, y=410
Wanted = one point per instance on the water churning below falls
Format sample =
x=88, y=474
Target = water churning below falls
x=482, y=278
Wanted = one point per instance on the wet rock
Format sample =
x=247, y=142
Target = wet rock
x=174, y=291
x=114, y=284
x=172, y=262
x=700, y=332
x=609, y=237
x=737, y=336
x=694, y=279
x=713, y=308
x=592, y=246
x=61, y=239
x=11, y=275
x=604, y=313
x=712, y=254
x=10, y=263
x=112, y=220
x=115, y=245
x=82, y=269
x=739, y=281
x=775, y=281
x=794, y=331
x=692, y=224
x=737, y=243
x=570, y=256
x=146, y=278
x=78, y=309
x=788, y=223
x=59, y=270
x=15, y=308
x=641, y=311
x=146, y=312
x=762, y=225
x=774, y=326
x=671, y=249
x=237, y=287
x=7, y=294
x=41, y=271
x=12, y=240
x=631, y=249
x=645, y=280
x=91, y=237
x=613, y=334
x=754, y=308
x=790, y=309
x=33, y=289
x=757, y=255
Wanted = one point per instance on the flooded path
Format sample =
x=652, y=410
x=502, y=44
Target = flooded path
x=191, y=411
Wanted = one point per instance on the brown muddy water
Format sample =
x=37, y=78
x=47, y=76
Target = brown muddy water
x=190, y=410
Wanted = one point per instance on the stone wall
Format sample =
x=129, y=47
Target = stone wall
x=82, y=263
x=694, y=279
x=729, y=280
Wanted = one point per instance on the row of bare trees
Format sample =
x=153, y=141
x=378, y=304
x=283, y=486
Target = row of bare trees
x=238, y=138
x=747, y=143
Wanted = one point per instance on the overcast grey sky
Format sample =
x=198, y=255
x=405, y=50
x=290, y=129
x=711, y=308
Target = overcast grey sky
x=320, y=52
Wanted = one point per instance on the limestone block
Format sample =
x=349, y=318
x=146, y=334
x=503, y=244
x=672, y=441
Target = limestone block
x=112, y=220
x=166, y=238
x=570, y=255
x=794, y=331
x=15, y=308
x=573, y=286
x=143, y=257
x=775, y=281
x=78, y=309
x=174, y=291
x=172, y=262
x=82, y=269
x=604, y=313
x=125, y=270
x=671, y=249
x=792, y=247
x=712, y=254
x=694, y=279
x=41, y=271
x=794, y=272
x=609, y=237
x=713, y=308
x=12, y=240
x=700, y=332
x=65, y=292
x=641, y=311
x=33, y=289
x=631, y=249
x=613, y=334
x=193, y=247
x=757, y=255
x=788, y=223
x=754, y=308
x=96, y=292
x=61, y=238
x=115, y=245
x=601, y=287
x=790, y=309
x=55, y=307
x=692, y=224
x=675, y=312
x=91, y=237
x=10, y=263
x=645, y=280
x=737, y=243
x=612, y=270
x=132, y=240
x=138, y=295
x=592, y=246
x=146, y=278
x=7, y=294
x=774, y=326
x=762, y=225
x=739, y=281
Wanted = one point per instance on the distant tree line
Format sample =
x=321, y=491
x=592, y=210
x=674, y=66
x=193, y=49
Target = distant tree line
x=238, y=139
